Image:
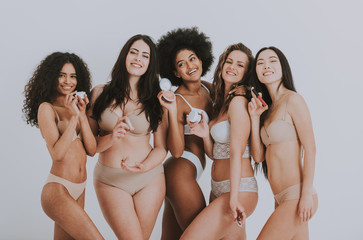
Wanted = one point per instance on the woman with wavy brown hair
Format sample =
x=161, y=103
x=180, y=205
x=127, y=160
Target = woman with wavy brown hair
x=226, y=141
x=51, y=103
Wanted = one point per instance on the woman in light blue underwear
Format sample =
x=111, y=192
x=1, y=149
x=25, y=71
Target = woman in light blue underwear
x=226, y=141
x=185, y=55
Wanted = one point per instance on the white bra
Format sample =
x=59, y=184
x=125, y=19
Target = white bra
x=220, y=133
x=200, y=111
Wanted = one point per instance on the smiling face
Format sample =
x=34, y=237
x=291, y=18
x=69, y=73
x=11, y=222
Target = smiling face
x=138, y=58
x=67, y=79
x=188, y=65
x=268, y=67
x=235, y=67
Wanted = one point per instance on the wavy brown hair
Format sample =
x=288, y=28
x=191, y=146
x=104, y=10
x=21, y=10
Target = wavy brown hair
x=220, y=101
x=42, y=86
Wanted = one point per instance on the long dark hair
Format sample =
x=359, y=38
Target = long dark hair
x=117, y=91
x=42, y=86
x=220, y=101
x=287, y=82
x=183, y=38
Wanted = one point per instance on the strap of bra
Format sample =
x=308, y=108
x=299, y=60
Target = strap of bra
x=287, y=101
x=55, y=113
x=184, y=100
x=205, y=88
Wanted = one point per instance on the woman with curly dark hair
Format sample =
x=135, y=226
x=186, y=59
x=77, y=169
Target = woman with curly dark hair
x=226, y=141
x=53, y=103
x=129, y=177
x=185, y=55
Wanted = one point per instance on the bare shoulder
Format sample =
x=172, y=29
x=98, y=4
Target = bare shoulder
x=238, y=105
x=45, y=108
x=46, y=113
x=207, y=84
x=295, y=99
x=96, y=92
x=239, y=100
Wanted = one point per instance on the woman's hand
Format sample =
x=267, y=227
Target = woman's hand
x=200, y=129
x=238, y=90
x=138, y=167
x=255, y=108
x=120, y=129
x=305, y=208
x=70, y=104
x=238, y=212
x=82, y=104
x=170, y=106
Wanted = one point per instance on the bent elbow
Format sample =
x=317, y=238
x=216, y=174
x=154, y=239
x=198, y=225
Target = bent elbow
x=177, y=153
x=92, y=153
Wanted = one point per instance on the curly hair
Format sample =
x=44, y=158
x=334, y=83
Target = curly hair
x=221, y=102
x=286, y=81
x=183, y=38
x=117, y=91
x=42, y=86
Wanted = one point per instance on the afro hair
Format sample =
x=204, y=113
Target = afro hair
x=183, y=38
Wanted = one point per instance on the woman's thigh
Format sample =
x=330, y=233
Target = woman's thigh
x=148, y=202
x=284, y=223
x=118, y=209
x=183, y=191
x=68, y=214
x=216, y=221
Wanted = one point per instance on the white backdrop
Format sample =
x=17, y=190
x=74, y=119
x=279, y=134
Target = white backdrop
x=321, y=39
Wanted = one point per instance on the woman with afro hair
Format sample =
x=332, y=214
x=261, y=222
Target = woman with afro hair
x=129, y=176
x=185, y=56
x=52, y=105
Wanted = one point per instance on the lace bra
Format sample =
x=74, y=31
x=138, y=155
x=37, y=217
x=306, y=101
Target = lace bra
x=220, y=133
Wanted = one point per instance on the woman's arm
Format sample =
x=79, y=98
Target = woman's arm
x=120, y=129
x=255, y=109
x=239, y=134
x=89, y=140
x=175, y=132
x=301, y=118
x=156, y=155
x=201, y=130
x=57, y=144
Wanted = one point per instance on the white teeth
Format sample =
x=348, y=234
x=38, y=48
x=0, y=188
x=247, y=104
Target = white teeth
x=231, y=73
x=136, y=65
x=267, y=74
x=192, y=71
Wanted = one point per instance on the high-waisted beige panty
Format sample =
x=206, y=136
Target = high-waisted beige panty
x=74, y=189
x=290, y=193
x=127, y=181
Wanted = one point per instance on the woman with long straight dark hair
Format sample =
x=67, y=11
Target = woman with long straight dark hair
x=129, y=177
x=52, y=105
x=283, y=140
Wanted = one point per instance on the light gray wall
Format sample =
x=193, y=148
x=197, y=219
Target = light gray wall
x=321, y=39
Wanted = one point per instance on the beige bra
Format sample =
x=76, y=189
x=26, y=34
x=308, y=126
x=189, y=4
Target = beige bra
x=62, y=126
x=278, y=131
x=138, y=120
